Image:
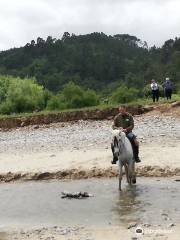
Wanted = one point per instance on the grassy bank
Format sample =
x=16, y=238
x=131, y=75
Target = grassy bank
x=145, y=101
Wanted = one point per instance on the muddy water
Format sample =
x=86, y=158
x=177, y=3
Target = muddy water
x=32, y=204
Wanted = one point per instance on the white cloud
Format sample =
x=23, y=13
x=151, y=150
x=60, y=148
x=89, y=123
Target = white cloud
x=151, y=20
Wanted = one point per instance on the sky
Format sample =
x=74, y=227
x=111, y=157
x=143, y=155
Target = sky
x=21, y=21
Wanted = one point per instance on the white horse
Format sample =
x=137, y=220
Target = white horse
x=124, y=152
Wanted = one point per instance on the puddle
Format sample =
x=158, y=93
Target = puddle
x=39, y=204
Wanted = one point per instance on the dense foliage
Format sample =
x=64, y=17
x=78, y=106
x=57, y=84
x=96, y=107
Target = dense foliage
x=20, y=95
x=73, y=96
x=124, y=95
x=95, y=61
x=25, y=95
x=67, y=72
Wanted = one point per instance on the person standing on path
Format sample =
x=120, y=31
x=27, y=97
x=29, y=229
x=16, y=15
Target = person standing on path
x=168, y=88
x=155, y=90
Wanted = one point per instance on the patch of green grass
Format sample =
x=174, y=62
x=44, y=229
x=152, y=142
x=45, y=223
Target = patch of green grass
x=149, y=101
x=46, y=112
x=142, y=101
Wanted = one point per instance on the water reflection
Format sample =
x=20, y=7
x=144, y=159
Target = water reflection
x=127, y=205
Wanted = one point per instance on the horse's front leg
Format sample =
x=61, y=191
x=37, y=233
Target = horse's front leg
x=126, y=172
x=131, y=170
x=133, y=173
x=120, y=174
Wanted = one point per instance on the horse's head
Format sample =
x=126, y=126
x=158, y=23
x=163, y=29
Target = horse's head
x=118, y=133
x=118, y=140
x=115, y=132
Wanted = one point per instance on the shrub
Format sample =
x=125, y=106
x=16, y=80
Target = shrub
x=22, y=95
x=73, y=96
x=124, y=94
x=56, y=103
x=6, y=107
x=4, y=84
x=47, y=96
x=91, y=98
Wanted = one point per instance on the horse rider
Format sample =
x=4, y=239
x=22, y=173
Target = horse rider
x=125, y=121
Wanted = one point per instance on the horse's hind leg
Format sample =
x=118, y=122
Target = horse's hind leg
x=127, y=174
x=130, y=176
x=120, y=175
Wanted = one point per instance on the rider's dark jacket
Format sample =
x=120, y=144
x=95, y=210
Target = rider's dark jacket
x=124, y=120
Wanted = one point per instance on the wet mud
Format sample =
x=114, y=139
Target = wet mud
x=75, y=174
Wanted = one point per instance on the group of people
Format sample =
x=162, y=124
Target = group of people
x=124, y=120
x=167, y=86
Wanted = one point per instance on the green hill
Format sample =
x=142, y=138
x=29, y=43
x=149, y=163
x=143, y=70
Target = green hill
x=95, y=61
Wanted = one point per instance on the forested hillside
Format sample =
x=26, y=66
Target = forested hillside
x=95, y=61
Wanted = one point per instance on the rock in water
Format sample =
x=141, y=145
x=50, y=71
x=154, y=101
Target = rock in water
x=77, y=195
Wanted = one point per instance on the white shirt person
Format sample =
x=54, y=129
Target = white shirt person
x=155, y=90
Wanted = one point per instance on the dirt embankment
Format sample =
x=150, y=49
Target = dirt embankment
x=75, y=174
x=98, y=114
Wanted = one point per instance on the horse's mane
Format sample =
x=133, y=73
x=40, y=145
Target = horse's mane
x=119, y=140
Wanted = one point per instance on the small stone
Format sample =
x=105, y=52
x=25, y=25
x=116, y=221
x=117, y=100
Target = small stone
x=164, y=214
x=23, y=124
x=132, y=225
x=139, y=230
x=146, y=225
x=172, y=225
